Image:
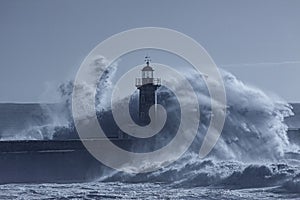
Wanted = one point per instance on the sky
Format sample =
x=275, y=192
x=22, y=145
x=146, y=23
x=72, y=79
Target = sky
x=43, y=42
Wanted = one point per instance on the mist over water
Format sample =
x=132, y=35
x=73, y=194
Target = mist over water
x=251, y=152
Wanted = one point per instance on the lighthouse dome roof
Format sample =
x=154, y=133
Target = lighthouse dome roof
x=147, y=68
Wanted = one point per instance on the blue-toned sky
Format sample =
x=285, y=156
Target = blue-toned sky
x=43, y=42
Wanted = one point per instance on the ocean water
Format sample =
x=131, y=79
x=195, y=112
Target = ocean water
x=187, y=178
x=253, y=159
x=146, y=190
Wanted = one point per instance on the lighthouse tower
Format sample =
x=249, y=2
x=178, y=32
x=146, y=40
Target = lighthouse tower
x=147, y=86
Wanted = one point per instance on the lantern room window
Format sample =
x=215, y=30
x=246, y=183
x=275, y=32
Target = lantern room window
x=147, y=74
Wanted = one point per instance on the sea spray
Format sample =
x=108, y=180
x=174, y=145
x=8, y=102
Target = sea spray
x=253, y=139
x=254, y=129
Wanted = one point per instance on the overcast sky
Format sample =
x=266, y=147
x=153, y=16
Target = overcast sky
x=42, y=43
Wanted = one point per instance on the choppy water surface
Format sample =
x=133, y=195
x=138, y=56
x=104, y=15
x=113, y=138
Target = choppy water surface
x=193, y=179
x=117, y=190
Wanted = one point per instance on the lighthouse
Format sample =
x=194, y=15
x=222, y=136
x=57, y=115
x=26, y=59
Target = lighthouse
x=147, y=86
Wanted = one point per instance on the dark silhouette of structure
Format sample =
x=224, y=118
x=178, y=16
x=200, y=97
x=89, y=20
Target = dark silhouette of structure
x=147, y=86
